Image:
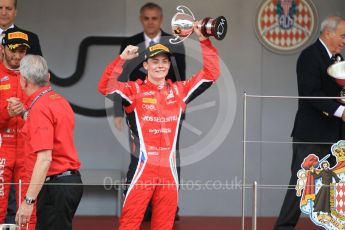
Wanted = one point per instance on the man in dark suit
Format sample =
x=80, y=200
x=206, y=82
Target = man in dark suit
x=318, y=122
x=8, y=12
x=151, y=18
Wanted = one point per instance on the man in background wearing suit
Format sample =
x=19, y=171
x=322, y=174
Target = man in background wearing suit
x=151, y=18
x=8, y=12
x=318, y=122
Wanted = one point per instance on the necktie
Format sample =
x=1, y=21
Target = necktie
x=151, y=43
x=336, y=58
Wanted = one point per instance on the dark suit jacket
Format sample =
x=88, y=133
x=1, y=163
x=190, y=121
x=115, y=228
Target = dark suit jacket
x=133, y=69
x=315, y=119
x=34, y=42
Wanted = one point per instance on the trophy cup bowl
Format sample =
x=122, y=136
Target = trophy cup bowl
x=183, y=22
x=337, y=71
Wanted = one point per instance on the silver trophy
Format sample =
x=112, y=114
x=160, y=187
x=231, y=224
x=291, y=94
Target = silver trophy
x=337, y=71
x=182, y=25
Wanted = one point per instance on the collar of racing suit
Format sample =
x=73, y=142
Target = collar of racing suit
x=153, y=86
x=11, y=72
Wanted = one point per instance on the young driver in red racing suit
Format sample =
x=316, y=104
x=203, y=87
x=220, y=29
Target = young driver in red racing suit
x=12, y=157
x=154, y=107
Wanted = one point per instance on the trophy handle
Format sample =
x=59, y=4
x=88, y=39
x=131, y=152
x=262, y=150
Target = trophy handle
x=181, y=9
x=186, y=16
x=176, y=40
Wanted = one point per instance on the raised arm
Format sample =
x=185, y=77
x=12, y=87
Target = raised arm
x=209, y=73
x=109, y=83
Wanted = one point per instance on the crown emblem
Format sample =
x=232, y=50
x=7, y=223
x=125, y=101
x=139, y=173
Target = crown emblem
x=338, y=150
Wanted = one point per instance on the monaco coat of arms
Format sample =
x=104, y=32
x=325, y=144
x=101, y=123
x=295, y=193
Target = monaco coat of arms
x=286, y=26
x=322, y=188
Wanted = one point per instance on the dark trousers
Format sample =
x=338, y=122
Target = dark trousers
x=290, y=211
x=12, y=207
x=57, y=204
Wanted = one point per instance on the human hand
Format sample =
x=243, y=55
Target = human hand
x=197, y=30
x=130, y=52
x=24, y=213
x=14, y=107
x=118, y=122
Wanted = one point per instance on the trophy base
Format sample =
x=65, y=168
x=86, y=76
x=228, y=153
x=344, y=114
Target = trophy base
x=342, y=94
x=340, y=82
x=220, y=28
x=214, y=27
x=341, y=101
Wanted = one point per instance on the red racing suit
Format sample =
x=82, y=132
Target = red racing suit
x=12, y=147
x=153, y=115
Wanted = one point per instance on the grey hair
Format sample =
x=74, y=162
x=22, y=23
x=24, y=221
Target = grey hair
x=331, y=23
x=151, y=5
x=35, y=69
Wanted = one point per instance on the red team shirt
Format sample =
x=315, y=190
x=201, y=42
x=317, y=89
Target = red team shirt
x=10, y=126
x=50, y=126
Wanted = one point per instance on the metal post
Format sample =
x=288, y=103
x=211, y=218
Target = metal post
x=19, y=203
x=244, y=157
x=254, y=205
x=119, y=197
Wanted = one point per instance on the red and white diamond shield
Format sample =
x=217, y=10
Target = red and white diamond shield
x=340, y=198
x=286, y=26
